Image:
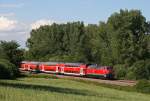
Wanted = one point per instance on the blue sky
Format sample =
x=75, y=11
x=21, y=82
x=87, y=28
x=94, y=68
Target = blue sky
x=18, y=17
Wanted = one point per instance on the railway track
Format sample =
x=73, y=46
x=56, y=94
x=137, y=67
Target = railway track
x=102, y=81
x=112, y=82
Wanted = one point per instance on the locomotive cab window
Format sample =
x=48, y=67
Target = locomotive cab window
x=94, y=66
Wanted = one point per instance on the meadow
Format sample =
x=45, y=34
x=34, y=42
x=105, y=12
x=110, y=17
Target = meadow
x=54, y=89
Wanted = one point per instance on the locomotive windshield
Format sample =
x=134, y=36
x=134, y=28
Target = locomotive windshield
x=94, y=66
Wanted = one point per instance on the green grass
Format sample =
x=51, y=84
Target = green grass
x=41, y=89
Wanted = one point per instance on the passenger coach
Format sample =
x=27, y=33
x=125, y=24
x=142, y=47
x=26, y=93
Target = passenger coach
x=78, y=69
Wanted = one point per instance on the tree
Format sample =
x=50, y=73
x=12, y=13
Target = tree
x=2, y=53
x=7, y=70
x=128, y=30
x=10, y=58
x=91, y=43
x=12, y=52
x=64, y=41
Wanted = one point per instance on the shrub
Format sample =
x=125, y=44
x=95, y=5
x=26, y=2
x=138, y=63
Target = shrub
x=141, y=69
x=120, y=71
x=7, y=70
x=130, y=75
x=143, y=86
x=147, y=66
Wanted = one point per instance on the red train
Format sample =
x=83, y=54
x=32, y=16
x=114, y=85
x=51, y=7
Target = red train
x=78, y=69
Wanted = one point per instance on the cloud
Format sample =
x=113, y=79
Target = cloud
x=11, y=5
x=13, y=30
x=7, y=24
x=41, y=22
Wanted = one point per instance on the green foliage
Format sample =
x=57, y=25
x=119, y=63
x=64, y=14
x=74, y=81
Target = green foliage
x=7, y=70
x=10, y=58
x=141, y=70
x=130, y=75
x=127, y=31
x=120, y=71
x=123, y=39
x=66, y=58
x=92, y=43
x=143, y=86
x=12, y=52
x=56, y=40
x=2, y=53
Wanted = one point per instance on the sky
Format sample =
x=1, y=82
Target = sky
x=19, y=17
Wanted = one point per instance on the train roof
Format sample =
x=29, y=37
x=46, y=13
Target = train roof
x=74, y=64
x=50, y=63
x=54, y=63
x=31, y=62
x=65, y=63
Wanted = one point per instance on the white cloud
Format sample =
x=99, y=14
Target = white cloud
x=7, y=24
x=14, y=30
x=41, y=22
x=20, y=31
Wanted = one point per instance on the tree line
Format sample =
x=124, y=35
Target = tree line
x=123, y=41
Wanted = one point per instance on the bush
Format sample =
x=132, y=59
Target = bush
x=120, y=71
x=7, y=70
x=143, y=86
x=130, y=75
x=141, y=70
x=147, y=66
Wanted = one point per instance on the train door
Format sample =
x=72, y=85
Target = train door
x=57, y=69
x=81, y=71
x=62, y=70
x=23, y=66
x=43, y=68
x=29, y=67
